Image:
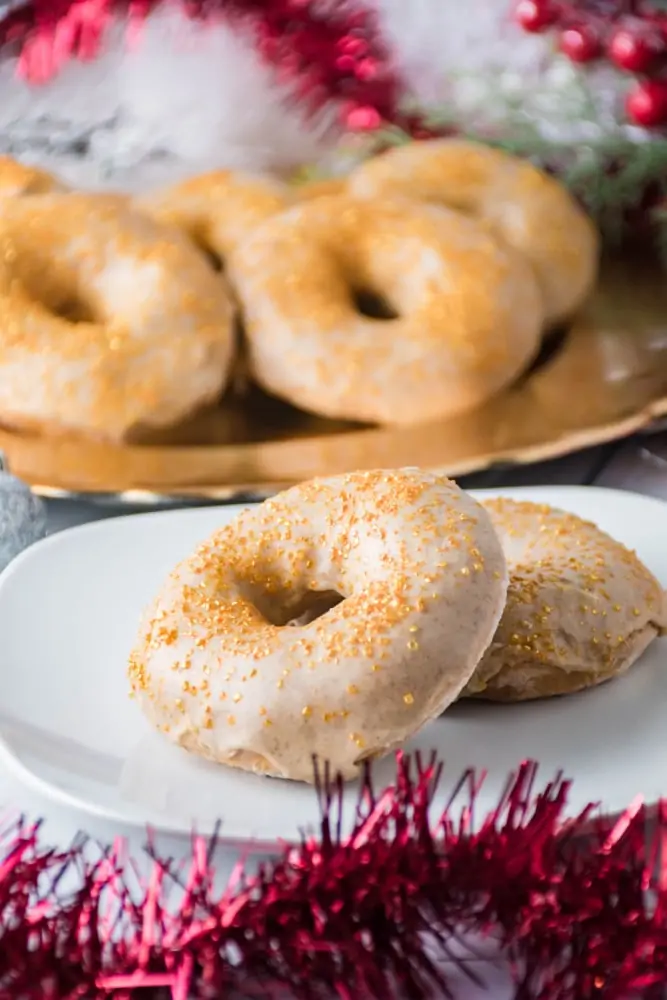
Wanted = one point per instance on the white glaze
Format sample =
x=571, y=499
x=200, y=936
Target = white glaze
x=529, y=210
x=154, y=341
x=469, y=310
x=423, y=579
x=581, y=608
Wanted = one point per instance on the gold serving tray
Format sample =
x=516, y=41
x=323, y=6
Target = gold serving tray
x=603, y=378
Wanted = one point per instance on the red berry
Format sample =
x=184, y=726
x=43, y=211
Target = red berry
x=646, y=104
x=579, y=44
x=535, y=15
x=631, y=51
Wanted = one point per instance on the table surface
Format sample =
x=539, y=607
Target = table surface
x=638, y=464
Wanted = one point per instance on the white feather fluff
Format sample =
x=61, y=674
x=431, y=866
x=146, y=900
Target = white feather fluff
x=182, y=98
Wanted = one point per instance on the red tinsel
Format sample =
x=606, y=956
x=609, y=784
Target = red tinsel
x=334, y=57
x=579, y=908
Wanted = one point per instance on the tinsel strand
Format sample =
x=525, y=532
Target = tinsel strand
x=578, y=907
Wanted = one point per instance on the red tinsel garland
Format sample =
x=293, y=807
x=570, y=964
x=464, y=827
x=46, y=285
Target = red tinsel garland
x=338, y=57
x=579, y=908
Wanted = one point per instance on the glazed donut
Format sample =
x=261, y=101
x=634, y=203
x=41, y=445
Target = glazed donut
x=530, y=210
x=467, y=311
x=316, y=189
x=108, y=322
x=394, y=583
x=580, y=610
x=17, y=179
x=217, y=209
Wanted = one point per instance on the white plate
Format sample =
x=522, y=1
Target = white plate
x=69, y=608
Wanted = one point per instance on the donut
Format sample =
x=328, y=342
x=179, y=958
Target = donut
x=16, y=179
x=465, y=313
x=527, y=208
x=393, y=583
x=316, y=189
x=108, y=322
x=217, y=209
x=581, y=608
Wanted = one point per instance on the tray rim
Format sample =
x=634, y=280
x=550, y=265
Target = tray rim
x=648, y=420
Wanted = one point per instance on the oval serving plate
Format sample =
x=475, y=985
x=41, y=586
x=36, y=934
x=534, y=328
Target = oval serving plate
x=70, y=608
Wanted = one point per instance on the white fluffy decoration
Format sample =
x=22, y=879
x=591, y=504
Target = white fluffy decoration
x=186, y=98
x=183, y=98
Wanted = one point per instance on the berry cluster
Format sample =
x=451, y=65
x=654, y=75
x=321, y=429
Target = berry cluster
x=630, y=34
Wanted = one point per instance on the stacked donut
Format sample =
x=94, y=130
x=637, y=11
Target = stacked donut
x=340, y=617
x=412, y=290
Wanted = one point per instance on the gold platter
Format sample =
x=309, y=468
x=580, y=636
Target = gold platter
x=603, y=378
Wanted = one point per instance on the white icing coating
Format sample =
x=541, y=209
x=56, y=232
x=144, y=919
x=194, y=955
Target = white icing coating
x=530, y=210
x=217, y=209
x=581, y=608
x=108, y=321
x=233, y=662
x=16, y=179
x=469, y=313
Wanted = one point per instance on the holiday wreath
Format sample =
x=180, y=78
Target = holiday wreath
x=578, y=907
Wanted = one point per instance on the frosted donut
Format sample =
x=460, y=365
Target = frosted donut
x=108, y=322
x=393, y=583
x=581, y=608
x=530, y=210
x=218, y=209
x=16, y=179
x=466, y=311
x=317, y=189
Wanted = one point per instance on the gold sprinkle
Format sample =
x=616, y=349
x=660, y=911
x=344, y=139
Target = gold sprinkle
x=306, y=711
x=352, y=689
x=231, y=720
x=409, y=698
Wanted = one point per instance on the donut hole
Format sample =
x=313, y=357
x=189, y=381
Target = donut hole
x=60, y=298
x=310, y=606
x=214, y=259
x=372, y=304
x=74, y=310
x=216, y=262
